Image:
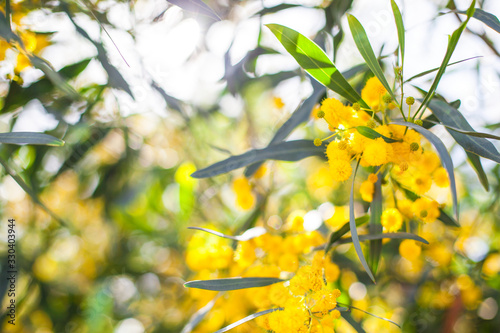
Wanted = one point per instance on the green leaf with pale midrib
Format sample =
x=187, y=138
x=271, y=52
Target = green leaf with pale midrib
x=354, y=231
x=401, y=29
x=30, y=138
x=314, y=60
x=364, y=47
x=232, y=283
x=282, y=151
x=463, y=133
x=370, y=133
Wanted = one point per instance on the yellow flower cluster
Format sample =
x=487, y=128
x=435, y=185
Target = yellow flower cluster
x=268, y=255
x=396, y=152
x=307, y=304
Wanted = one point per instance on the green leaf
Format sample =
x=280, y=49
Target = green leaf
x=247, y=235
x=375, y=224
x=463, y=133
x=487, y=18
x=354, y=231
x=364, y=47
x=447, y=219
x=232, y=283
x=452, y=43
x=443, y=154
x=30, y=138
x=282, y=151
x=437, y=68
x=335, y=236
x=370, y=133
x=248, y=318
x=357, y=326
x=388, y=235
x=475, y=162
x=401, y=29
x=315, y=61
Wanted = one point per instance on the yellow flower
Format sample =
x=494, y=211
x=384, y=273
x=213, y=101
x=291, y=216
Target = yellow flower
x=409, y=249
x=245, y=199
x=426, y=210
x=335, y=112
x=440, y=177
x=421, y=183
x=372, y=178
x=392, y=219
x=372, y=92
x=367, y=188
x=307, y=279
x=340, y=170
x=333, y=152
x=376, y=152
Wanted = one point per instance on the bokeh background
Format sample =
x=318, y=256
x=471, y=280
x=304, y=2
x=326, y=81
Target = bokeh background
x=163, y=90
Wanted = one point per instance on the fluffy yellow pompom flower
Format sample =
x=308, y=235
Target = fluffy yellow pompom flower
x=334, y=152
x=336, y=113
x=376, y=152
x=421, y=183
x=367, y=188
x=426, y=210
x=372, y=92
x=440, y=177
x=307, y=279
x=392, y=219
x=340, y=170
x=409, y=249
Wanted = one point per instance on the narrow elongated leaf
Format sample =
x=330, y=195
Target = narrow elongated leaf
x=354, y=231
x=487, y=18
x=315, y=61
x=283, y=151
x=376, y=224
x=357, y=326
x=34, y=196
x=248, y=318
x=372, y=134
x=437, y=68
x=443, y=154
x=196, y=7
x=468, y=133
x=350, y=307
x=401, y=29
x=364, y=47
x=335, y=236
x=447, y=219
x=232, y=283
x=247, y=235
x=392, y=235
x=452, y=43
x=471, y=141
x=475, y=162
x=30, y=138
